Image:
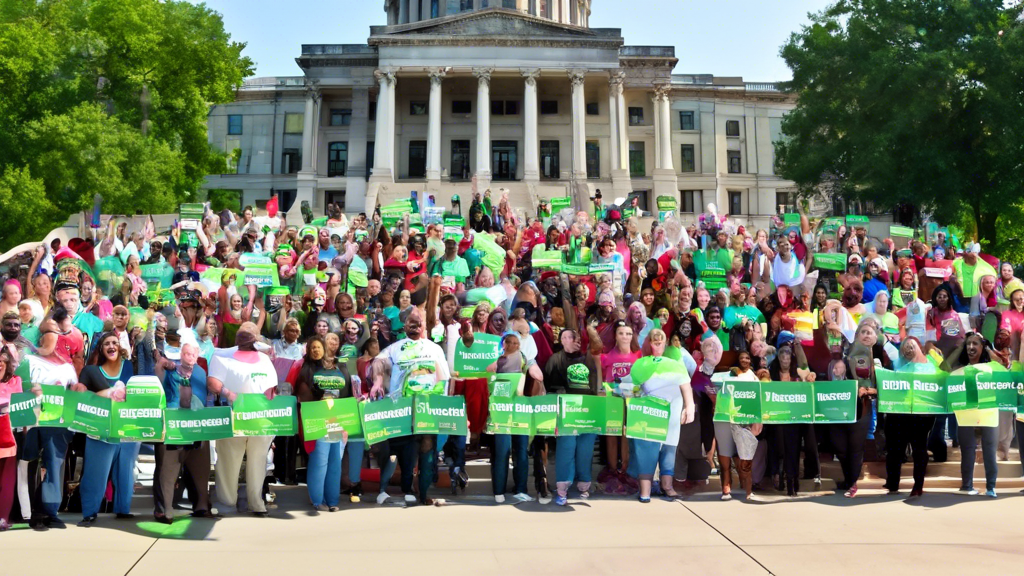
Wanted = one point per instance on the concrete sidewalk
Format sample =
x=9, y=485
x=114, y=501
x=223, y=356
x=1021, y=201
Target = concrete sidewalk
x=939, y=534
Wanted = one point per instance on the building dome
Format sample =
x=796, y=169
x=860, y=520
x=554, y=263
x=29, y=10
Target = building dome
x=569, y=12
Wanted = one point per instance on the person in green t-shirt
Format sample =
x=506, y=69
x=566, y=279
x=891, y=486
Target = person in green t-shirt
x=453, y=268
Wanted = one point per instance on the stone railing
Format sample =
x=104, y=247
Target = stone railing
x=334, y=49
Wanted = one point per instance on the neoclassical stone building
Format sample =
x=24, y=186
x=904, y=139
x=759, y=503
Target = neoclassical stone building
x=516, y=94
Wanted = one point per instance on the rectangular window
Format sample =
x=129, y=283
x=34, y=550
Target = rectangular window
x=341, y=116
x=373, y=113
x=549, y=159
x=418, y=159
x=337, y=158
x=497, y=107
x=686, y=120
x=593, y=160
x=687, y=163
x=434, y=8
x=637, y=160
x=735, y=163
x=233, y=145
x=545, y=8
x=462, y=107
x=636, y=115
x=293, y=123
x=417, y=108
x=291, y=161
x=508, y=4
x=456, y=6
x=786, y=202
x=235, y=125
x=593, y=109
x=643, y=200
x=511, y=107
x=735, y=203
x=460, y=160
x=691, y=201
x=549, y=107
x=369, y=159
x=732, y=128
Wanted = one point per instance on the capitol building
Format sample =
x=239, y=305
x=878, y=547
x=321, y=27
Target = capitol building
x=521, y=95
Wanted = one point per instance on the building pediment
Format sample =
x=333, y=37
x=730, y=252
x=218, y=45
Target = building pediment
x=492, y=26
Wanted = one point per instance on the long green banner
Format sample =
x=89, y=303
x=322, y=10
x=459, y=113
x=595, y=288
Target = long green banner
x=188, y=426
x=748, y=402
x=437, y=414
x=941, y=393
x=578, y=414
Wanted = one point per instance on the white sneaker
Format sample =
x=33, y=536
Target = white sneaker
x=544, y=499
x=383, y=497
x=499, y=498
x=410, y=499
x=523, y=497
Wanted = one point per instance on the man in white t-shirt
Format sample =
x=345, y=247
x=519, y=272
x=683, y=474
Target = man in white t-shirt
x=49, y=445
x=244, y=372
x=416, y=366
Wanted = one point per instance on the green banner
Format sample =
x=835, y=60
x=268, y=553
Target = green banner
x=560, y=203
x=510, y=416
x=25, y=409
x=437, y=414
x=835, y=262
x=261, y=275
x=476, y=358
x=791, y=219
x=188, y=426
x=739, y=402
x=667, y=206
x=787, y=402
x=579, y=414
x=956, y=392
x=998, y=390
x=901, y=232
x=911, y=393
x=331, y=416
x=545, y=414
x=835, y=402
x=146, y=391
x=861, y=221
x=576, y=269
x=647, y=418
x=51, y=413
x=157, y=275
x=386, y=419
x=137, y=420
x=601, y=268
x=255, y=415
x=87, y=413
x=542, y=258
x=505, y=385
x=453, y=226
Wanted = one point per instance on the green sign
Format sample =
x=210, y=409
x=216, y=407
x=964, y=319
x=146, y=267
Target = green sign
x=545, y=414
x=256, y=415
x=579, y=414
x=787, y=402
x=261, y=275
x=505, y=385
x=576, y=269
x=791, y=219
x=157, y=275
x=911, y=393
x=436, y=414
x=25, y=409
x=602, y=268
x=147, y=391
x=560, y=203
x=387, y=418
x=998, y=390
x=956, y=392
x=861, y=221
x=835, y=402
x=51, y=413
x=835, y=262
x=739, y=402
x=331, y=416
x=188, y=426
x=901, y=232
x=542, y=258
x=87, y=413
x=453, y=226
x=647, y=418
x=510, y=416
x=666, y=207
x=476, y=358
x=137, y=420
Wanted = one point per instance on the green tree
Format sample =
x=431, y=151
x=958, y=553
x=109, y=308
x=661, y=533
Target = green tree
x=911, y=102
x=154, y=68
x=26, y=207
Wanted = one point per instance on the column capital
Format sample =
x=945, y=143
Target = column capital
x=436, y=76
x=577, y=76
x=386, y=74
x=617, y=78
x=483, y=75
x=662, y=91
x=530, y=75
x=312, y=87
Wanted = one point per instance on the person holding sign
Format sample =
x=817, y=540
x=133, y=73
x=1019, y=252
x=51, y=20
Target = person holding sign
x=9, y=384
x=849, y=439
x=512, y=361
x=902, y=430
x=105, y=376
x=244, y=372
x=567, y=372
x=971, y=359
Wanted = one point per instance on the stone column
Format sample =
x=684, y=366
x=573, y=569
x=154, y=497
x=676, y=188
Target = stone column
x=531, y=144
x=666, y=130
x=381, y=156
x=414, y=10
x=621, y=183
x=307, y=130
x=392, y=127
x=656, y=124
x=403, y=11
x=358, y=163
x=434, y=131
x=665, y=180
x=613, y=126
x=579, y=126
x=483, y=127
x=305, y=181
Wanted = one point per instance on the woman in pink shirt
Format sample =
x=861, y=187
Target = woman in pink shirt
x=614, y=365
x=9, y=384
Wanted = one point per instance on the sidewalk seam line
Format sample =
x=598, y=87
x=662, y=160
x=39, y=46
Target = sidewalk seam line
x=136, y=563
x=729, y=540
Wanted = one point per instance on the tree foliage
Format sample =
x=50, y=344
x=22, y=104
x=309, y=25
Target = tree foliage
x=911, y=102
x=81, y=79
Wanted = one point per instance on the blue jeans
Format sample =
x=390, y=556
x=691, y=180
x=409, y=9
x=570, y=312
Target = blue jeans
x=646, y=456
x=50, y=445
x=574, y=456
x=102, y=461
x=455, y=448
x=516, y=445
x=968, y=452
x=355, y=448
x=323, y=473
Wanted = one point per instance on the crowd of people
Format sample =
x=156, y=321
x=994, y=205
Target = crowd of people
x=380, y=305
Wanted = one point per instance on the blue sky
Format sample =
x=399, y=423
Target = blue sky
x=720, y=37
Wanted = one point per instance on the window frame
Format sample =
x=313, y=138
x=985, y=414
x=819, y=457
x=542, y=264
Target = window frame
x=421, y=104
x=240, y=127
x=544, y=149
x=341, y=113
x=638, y=116
x=419, y=144
x=332, y=171
x=693, y=158
x=693, y=120
x=641, y=149
x=551, y=105
x=596, y=109
x=736, y=155
x=595, y=146
x=735, y=203
x=733, y=123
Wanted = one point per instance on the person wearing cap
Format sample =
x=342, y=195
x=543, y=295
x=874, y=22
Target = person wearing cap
x=969, y=270
x=246, y=371
x=574, y=455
